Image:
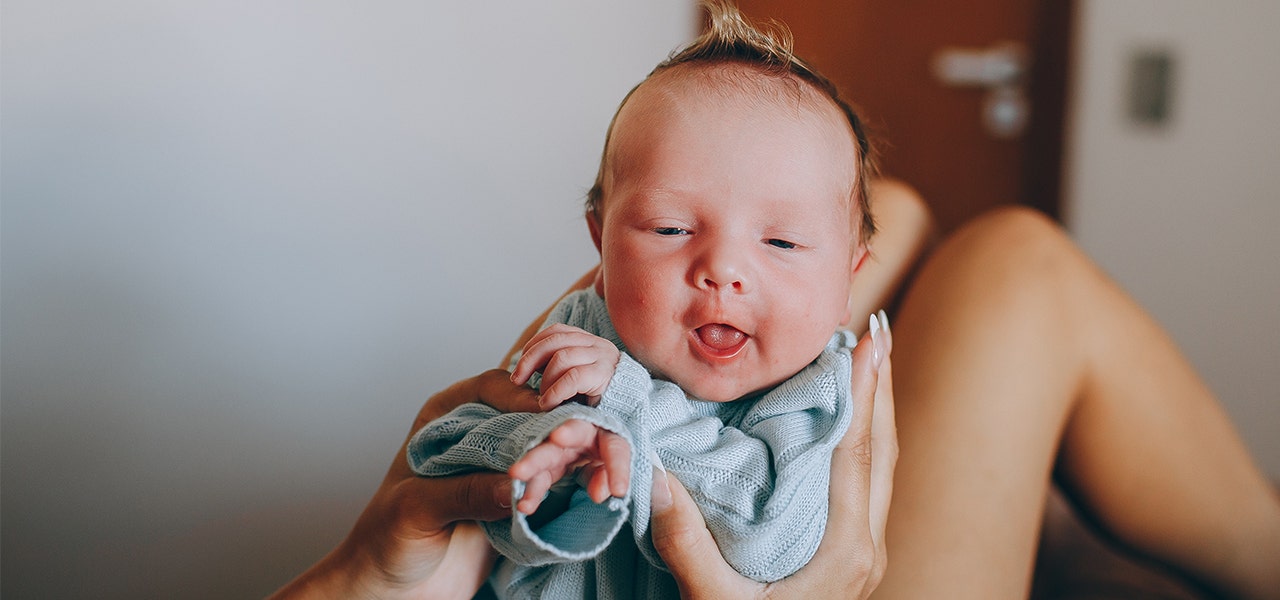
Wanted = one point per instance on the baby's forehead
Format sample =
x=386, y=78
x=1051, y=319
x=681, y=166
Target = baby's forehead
x=735, y=83
x=690, y=97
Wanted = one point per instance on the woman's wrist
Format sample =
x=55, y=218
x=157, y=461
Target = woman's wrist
x=332, y=577
x=349, y=571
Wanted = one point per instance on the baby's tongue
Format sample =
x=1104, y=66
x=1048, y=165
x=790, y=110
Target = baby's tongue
x=720, y=336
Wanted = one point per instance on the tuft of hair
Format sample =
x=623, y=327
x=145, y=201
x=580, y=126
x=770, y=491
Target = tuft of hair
x=729, y=37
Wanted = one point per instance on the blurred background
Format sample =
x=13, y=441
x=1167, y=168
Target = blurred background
x=241, y=242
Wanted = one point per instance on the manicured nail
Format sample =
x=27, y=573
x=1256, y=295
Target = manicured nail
x=660, y=496
x=875, y=340
x=657, y=462
x=884, y=320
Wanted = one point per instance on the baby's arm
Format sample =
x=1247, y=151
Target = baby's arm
x=476, y=436
x=572, y=362
x=602, y=460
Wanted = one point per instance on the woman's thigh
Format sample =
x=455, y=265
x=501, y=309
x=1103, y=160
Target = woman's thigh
x=986, y=366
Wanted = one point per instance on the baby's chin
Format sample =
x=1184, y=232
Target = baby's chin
x=729, y=392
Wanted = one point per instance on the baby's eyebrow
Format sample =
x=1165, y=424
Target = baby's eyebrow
x=655, y=195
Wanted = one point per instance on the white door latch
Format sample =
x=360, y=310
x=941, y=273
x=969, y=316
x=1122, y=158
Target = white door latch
x=1000, y=70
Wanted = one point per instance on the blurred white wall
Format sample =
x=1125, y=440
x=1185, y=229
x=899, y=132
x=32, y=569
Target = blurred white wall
x=242, y=241
x=1186, y=216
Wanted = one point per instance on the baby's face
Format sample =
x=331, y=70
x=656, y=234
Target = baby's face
x=726, y=236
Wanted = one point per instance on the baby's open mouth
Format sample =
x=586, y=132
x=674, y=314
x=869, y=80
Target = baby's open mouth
x=724, y=339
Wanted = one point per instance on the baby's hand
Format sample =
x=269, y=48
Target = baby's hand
x=572, y=362
x=602, y=460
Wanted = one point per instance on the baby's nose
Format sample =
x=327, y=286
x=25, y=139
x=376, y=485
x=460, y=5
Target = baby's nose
x=722, y=269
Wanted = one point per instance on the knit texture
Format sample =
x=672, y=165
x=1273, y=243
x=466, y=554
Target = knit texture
x=758, y=469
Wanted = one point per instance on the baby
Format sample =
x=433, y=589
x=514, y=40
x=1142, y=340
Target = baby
x=730, y=216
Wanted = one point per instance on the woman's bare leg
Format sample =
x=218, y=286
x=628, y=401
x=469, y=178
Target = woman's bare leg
x=1014, y=355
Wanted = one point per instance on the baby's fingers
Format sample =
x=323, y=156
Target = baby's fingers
x=615, y=455
x=542, y=347
x=549, y=456
x=535, y=489
x=564, y=379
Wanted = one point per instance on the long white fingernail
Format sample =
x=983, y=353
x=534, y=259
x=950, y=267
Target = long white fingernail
x=884, y=320
x=875, y=340
x=660, y=493
x=657, y=462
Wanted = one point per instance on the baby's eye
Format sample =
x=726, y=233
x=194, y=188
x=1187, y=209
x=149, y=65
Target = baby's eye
x=670, y=231
x=784, y=244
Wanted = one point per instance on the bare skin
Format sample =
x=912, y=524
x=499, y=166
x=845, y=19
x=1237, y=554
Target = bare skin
x=1062, y=376
x=1060, y=372
x=1016, y=360
x=417, y=537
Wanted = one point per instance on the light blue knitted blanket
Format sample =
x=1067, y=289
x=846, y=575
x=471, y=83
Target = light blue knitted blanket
x=759, y=470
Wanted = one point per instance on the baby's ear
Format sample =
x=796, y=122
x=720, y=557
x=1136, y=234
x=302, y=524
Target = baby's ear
x=593, y=224
x=860, y=255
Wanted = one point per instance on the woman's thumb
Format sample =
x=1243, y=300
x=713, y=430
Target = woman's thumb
x=682, y=539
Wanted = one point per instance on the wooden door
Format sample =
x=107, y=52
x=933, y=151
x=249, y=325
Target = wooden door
x=881, y=54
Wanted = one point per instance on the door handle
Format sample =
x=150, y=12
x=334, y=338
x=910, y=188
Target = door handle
x=998, y=66
x=999, y=70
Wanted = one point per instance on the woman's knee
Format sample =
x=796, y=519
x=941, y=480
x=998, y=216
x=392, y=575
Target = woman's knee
x=1015, y=232
x=1011, y=263
x=1016, y=244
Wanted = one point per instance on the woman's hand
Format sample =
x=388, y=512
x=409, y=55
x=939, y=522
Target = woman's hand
x=851, y=559
x=415, y=538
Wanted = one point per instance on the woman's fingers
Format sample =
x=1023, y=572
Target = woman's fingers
x=851, y=555
x=430, y=505
x=884, y=442
x=492, y=387
x=681, y=537
x=848, y=523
